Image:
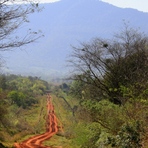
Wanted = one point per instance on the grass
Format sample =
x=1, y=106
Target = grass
x=73, y=132
x=58, y=141
x=25, y=123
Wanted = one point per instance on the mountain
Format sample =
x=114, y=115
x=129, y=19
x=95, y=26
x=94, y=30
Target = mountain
x=65, y=23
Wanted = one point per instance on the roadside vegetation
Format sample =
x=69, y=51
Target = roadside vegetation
x=110, y=82
x=22, y=107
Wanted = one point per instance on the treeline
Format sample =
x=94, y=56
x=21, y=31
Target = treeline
x=21, y=90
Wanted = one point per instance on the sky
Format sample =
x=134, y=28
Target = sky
x=47, y=1
x=141, y=5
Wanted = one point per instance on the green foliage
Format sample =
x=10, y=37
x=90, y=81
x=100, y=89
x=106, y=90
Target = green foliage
x=29, y=85
x=126, y=125
x=38, y=87
x=17, y=97
x=3, y=110
x=20, y=99
x=128, y=137
x=19, y=122
x=93, y=136
x=3, y=82
x=110, y=72
x=81, y=90
x=76, y=89
x=107, y=114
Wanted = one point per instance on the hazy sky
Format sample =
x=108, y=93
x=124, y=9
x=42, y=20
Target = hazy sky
x=47, y=1
x=141, y=5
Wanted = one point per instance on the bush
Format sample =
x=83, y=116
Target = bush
x=93, y=136
x=128, y=137
x=20, y=99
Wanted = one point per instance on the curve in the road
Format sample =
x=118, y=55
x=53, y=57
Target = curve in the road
x=51, y=129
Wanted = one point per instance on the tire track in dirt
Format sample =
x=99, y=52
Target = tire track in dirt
x=51, y=129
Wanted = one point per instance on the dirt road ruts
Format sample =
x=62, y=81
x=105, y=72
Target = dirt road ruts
x=51, y=129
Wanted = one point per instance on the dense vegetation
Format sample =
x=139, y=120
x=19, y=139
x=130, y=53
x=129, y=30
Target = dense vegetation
x=20, y=96
x=106, y=103
x=110, y=81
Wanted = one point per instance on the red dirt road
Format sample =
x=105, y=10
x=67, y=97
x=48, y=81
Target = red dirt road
x=51, y=129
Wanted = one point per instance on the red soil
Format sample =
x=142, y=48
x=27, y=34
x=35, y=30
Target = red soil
x=51, y=129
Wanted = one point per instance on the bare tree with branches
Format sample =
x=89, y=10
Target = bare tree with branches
x=12, y=16
x=106, y=65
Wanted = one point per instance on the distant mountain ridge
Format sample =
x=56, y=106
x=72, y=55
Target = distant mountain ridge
x=65, y=23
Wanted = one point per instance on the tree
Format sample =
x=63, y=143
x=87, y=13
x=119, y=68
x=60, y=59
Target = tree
x=107, y=65
x=12, y=16
x=3, y=107
x=17, y=97
x=3, y=84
